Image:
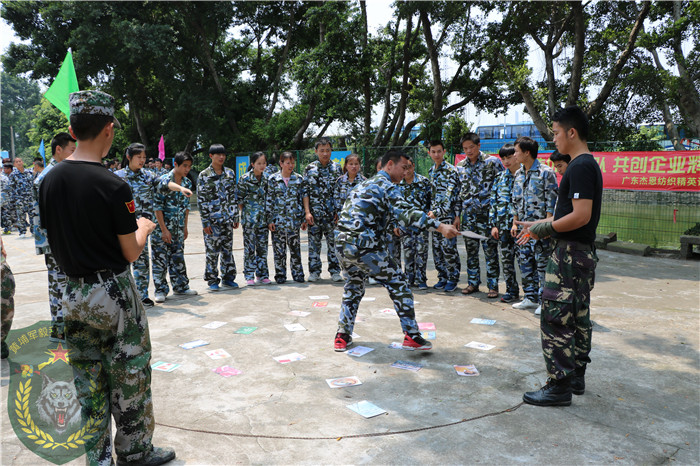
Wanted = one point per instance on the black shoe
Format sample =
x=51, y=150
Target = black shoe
x=578, y=381
x=5, y=350
x=155, y=457
x=555, y=393
x=299, y=279
x=148, y=302
x=280, y=281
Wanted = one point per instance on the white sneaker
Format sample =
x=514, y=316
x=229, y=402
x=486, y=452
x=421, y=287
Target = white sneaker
x=525, y=304
x=22, y=235
x=313, y=277
x=538, y=311
x=187, y=292
x=160, y=298
x=336, y=277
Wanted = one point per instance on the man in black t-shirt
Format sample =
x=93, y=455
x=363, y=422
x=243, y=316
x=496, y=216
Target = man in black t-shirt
x=88, y=213
x=565, y=323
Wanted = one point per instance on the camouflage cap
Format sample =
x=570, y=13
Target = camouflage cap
x=93, y=103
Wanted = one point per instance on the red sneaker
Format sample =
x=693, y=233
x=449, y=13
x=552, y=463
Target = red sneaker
x=416, y=342
x=342, y=341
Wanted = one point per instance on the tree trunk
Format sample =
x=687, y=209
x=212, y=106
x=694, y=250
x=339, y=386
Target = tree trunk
x=663, y=103
x=689, y=99
x=366, y=76
x=280, y=67
x=400, y=115
x=435, y=69
x=579, y=50
x=299, y=136
x=388, y=75
x=325, y=127
x=139, y=123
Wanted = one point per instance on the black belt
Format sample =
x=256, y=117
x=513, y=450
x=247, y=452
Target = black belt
x=575, y=245
x=95, y=277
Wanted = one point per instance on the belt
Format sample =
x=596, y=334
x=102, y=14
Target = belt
x=95, y=277
x=575, y=245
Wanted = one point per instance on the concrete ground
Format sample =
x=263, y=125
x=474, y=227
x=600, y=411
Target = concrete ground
x=641, y=406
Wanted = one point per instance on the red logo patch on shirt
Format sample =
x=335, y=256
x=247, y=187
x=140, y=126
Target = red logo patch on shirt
x=131, y=205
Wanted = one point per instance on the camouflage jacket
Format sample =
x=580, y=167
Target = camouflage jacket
x=6, y=189
x=21, y=183
x=500, y=215
x=369, y=210
x=143, y=184
x=343, y=187
x=251, y=194
x=477, y=179
x=216, y=197
x=284, y=205
x=444, y=196
x=159, y=172
x=41, y=241
x=534, y=192
x=271, y=169
x=174, y=206
x=417, y=193
x=319, y=182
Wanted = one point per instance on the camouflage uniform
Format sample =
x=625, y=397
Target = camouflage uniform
x=170, y=258
x=57, y=278
x=159, y=172
x=501, y=217
x=271, y=169
x=415, y=242
x=251, y=194
x=343, y=186
x=143, y=184
x=444, y=199
x=9, y=212
x=534, y=196
x=22, y=196
x=216, y=200
x=360, y=244
x=284, y=207
x=319, y=184
x=475, y=197
x=7, y=297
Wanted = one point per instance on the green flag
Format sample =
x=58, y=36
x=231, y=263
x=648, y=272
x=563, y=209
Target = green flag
x=66, y=82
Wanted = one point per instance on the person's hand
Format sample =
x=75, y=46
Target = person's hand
x=146, y=224
x=186, y=233
x=185, y=191
x=397, y=231
x=167, y=237
x=208, y=231
x=310, y=219
x=525, y=235
x=271, y=227
x=448, y=231
x=514, y=231
x=303, y=226
x=457, y=222
x=494, y=232
x=431, y=214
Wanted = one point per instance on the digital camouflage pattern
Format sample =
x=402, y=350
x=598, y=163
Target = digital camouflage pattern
x=565, y=323
x=21, y=183
x=415, y=243
x=501, y=217
x=444, y=203
x=343, y=186
x=284, y=207
x=7, y=210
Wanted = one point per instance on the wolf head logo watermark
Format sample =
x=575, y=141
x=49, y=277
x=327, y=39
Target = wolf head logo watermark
x=43, y=403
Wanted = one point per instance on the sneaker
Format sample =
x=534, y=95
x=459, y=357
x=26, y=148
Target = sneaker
x=264, y=281
x=187, y=292
x=155, y=457
x=416, y=342
x=160, y=297
x=250, y=282
x=538, y=311
x=148, y=302
x=440, y=284
x=214, y=287
x=423, y=286
x=342, y=341
x=509, y=298
x=22, y=235
x=313, y=277
x=372, y=281
x=229, y=284
x=6, y=232
x=336, y=277
x=450, y=286
x=525, y=304
x=281, y=281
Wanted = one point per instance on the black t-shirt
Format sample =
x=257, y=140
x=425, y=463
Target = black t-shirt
x=84, y=207
x=582, y=180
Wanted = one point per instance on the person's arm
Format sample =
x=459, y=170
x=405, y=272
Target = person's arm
x=307, y=210
x=184, y=231
x=132, y=244
x=167, y=237
x=580, y=216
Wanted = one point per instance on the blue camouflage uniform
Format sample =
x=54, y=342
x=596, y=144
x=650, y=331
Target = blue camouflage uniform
x=57, y=277
x=319, y=182
x=22, y=195
x=284, y=206
x=271, y=169
x=342, y=188
x=444, y=203
x=8, y=212
x=143, y=184
x=170, y=258
x=216, y=200
x=475, y=197
x=251, y=195
x=501, y=217
x=415, y=242
x=360, y=240
x=534, y=196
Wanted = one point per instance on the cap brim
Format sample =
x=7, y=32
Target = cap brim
x=116, y=123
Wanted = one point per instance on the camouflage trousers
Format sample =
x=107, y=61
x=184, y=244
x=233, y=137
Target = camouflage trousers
x=110, y=352
x=255, y=252
x=321, y=228
x=280, y=241
x=446, y=257
x=141, y=269
x=393, y=243
x=415, y=256
x=7, y=216
x=57, y=284
x=22, y=218
x=490, y=247
x=169, y=258
x=7, y=299
x=219, y=250
x=508, y=253
x=358, y=264
x=565, y=323
x=534, y=256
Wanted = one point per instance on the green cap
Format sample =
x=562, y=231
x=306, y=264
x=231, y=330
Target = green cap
x=93, y=103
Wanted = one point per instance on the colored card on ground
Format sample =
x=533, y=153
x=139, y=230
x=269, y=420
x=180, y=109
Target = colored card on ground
x=466, y=371
x=215, y=324
x=429, y=335
x=320, y=304
x=287, y=358
x=366, y=409
x=477, y=345
x=294, y=327
x=407, y=365
x=246, y=330
x=217, y=354
x=476, y=320
x=164, y=366
x=194, y=344
x=387, y=310
x=395, y=345
x=343, y=382
x=426, y=326
x=367, y=299
x=299, y=313
x=319, y=298
x=359, y=351
x=226, y=371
